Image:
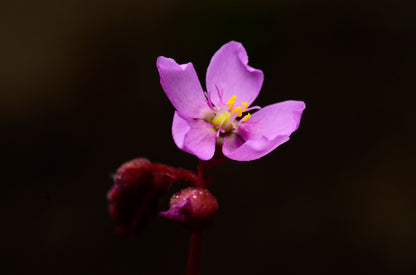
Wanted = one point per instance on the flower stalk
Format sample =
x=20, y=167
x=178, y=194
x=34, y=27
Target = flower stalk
x=195, y=253
x=195, y=249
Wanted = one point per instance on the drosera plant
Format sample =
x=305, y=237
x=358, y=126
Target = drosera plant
x=213, y=125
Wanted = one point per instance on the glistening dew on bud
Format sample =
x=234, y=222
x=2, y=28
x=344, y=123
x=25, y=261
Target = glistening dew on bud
x=195, y=208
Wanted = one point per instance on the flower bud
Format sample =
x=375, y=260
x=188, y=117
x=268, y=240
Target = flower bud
x=195, y=208
x=133, y=176
x=133, y=199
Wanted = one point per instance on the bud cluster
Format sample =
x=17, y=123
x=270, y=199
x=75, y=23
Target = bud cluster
x=133, y=198
x=138, y=185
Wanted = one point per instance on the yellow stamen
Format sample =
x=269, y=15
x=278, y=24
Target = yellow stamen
x=237, y=109
x=231, y=102
x=233, y=98
x=246, y=117
x=245, y=106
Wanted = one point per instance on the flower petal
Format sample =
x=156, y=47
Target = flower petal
x=264, y=131
x=194, y=136
x=182, y=86
x=280, y=119
x=229, y=72
x=180, y=128
x=235, y=149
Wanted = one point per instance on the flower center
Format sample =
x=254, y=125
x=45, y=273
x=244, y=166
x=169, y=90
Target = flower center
x=226, y=116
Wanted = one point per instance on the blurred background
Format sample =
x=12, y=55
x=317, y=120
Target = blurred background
x=80, y=95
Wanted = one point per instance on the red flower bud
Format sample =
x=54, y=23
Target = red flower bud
x=195, y=208
x=134, y=176
x=133, y=199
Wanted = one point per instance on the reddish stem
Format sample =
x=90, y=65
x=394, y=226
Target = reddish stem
x=202, y=181
x=201, y=173
x=176, y=173
x=195, y=252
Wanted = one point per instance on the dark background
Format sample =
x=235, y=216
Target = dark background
x=80, y=95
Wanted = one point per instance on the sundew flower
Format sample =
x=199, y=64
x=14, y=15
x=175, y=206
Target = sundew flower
x=222, y=116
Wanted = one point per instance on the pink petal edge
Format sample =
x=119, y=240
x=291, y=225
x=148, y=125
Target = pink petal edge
x=279, y=119
x=182, y=86
x=229, y=72
x=194, y=136
x=180, y=128
x=252, y=149
x=265, y=131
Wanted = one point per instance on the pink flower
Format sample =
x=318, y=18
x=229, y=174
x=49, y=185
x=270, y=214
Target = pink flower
x=221, y=117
